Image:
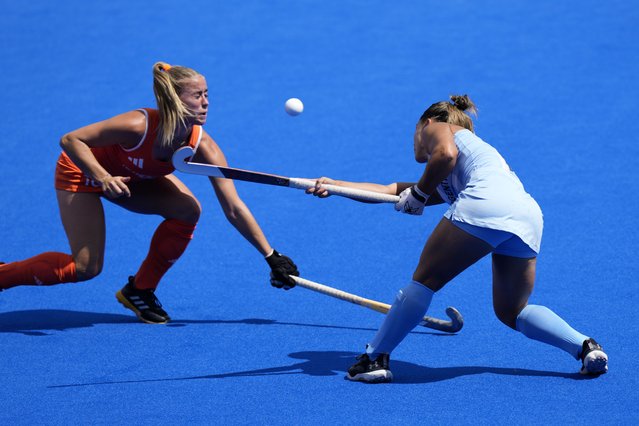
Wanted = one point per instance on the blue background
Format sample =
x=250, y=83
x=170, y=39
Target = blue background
x=555, y=83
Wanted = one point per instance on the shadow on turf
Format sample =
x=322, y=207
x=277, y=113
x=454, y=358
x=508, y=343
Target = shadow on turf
x=334, y=363
x=37, y=322
x=260, y=321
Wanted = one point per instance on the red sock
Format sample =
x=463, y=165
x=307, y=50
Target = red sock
x=44, y=269
x=167, y=245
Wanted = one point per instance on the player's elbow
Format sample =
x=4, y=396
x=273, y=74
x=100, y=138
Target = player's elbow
x=68, y=140
x=65, y=141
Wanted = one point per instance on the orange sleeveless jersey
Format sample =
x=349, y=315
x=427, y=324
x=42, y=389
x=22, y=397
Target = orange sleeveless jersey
x=137, y=163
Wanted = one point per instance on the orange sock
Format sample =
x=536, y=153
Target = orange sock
x=44, y=269
x=167, y=245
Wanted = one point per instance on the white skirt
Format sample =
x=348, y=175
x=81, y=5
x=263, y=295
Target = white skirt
x=502, y=204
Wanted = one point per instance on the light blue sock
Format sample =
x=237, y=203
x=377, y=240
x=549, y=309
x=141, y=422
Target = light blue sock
x=411, y=304
x=540, y=323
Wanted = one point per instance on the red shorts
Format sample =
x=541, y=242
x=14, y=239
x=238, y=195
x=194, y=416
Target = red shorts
x=69, y=177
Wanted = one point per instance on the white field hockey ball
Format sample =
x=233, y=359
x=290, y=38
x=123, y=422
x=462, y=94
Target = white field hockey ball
x=294, y=106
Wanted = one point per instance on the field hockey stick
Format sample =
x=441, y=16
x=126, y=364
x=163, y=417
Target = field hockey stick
x=454, y=325
x=179, y=162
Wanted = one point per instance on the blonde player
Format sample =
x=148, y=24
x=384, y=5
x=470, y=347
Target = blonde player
x=126, y=159
x=490, y=212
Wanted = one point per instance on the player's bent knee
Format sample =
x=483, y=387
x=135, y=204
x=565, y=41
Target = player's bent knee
x=86, y=272
x=508, y=317
x=188, y=212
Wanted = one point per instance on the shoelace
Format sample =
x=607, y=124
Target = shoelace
x=154, y=299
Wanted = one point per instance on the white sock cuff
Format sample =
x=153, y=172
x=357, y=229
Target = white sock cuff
x=417, y=290
x=519, y=321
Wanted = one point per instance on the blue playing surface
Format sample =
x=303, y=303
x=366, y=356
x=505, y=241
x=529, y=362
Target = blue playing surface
x=556, y=86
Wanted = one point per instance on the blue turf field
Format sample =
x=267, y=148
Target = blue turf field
x=556, y=85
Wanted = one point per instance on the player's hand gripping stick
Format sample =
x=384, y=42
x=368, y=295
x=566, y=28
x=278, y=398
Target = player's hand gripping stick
x=282, y=270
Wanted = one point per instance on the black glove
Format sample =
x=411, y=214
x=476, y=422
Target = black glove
x=281, y=267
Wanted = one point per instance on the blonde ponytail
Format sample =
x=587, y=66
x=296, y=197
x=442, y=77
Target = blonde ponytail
x=167, y=84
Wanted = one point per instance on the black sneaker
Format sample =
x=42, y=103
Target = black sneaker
x=366, y=370
x=143, y=303
x=594, y=359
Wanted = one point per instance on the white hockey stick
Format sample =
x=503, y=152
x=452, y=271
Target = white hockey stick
x=181, y=164
x=454, y=325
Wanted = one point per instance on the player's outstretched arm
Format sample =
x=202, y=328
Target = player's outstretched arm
x=396, y=188
x=239, y=215
x=392, y=189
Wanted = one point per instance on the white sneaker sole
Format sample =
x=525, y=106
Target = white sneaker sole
x=377, y=376
x=595, y=363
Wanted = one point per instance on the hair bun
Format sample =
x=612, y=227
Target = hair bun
x=464, y=103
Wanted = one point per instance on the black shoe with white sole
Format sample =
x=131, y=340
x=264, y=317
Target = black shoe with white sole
x=594, y=359
x=143, y=303
x=371, y=371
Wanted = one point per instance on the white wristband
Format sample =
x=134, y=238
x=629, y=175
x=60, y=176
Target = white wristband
x=421, y=193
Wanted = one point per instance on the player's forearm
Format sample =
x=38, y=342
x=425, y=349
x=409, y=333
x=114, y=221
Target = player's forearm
x=366, y=186
x=81, y=155
x=242, y=219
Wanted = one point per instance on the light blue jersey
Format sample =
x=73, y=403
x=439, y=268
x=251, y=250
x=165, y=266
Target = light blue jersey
x=484, y=192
